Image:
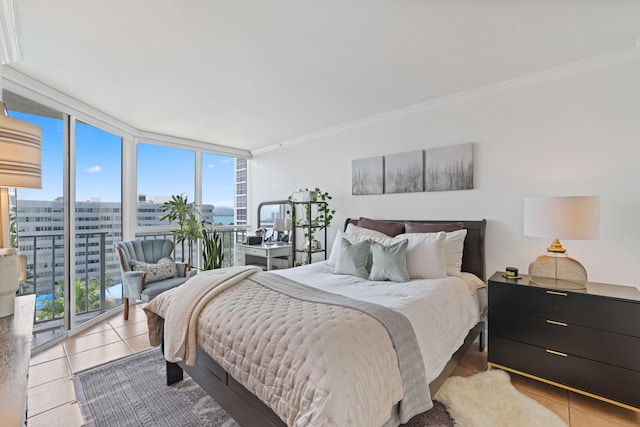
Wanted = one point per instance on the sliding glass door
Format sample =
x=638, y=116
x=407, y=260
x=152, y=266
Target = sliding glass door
x=98, y=221
x=37, y=222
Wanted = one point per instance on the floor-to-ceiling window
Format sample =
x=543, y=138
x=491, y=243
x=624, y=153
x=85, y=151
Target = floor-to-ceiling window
x=217, y=187
x=98, y=221
x=163, y=172
x=67, y=228
x=38, y=218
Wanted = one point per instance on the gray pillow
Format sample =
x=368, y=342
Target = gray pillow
x=353, y=258
x=390, y=228
x=389, y=262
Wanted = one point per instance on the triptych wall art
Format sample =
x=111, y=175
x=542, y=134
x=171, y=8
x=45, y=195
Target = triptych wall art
x=436, y=169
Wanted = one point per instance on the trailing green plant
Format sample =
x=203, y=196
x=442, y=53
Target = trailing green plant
x=322, y=215
x=212, y=250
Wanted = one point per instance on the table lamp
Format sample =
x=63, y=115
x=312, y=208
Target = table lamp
x=20, y=166
x=279, y=226
x=288, y=224
x=573, y=218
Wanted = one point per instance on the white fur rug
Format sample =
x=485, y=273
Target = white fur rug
x=488, y=399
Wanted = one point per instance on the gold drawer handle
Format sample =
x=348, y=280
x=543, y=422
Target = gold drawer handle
x=557, y=353
x=553, y=322
x=562, y=294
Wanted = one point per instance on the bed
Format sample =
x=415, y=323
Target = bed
x=345, y=317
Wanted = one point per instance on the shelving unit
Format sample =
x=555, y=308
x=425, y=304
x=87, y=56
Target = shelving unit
x=306, y=211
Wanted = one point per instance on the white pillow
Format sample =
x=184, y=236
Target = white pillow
x=426, y=255
x=334, y=255
x=361, y=231
x=454, y=246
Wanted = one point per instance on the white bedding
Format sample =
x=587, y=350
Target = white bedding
x=441, y=311
x=303, y=358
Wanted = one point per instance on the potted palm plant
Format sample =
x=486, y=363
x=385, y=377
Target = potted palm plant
x=189, y=226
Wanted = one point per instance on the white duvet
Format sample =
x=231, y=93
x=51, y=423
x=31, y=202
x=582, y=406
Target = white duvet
x=319, y=364
x=441, y=311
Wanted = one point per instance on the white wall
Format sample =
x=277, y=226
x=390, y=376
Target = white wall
x=577, y=135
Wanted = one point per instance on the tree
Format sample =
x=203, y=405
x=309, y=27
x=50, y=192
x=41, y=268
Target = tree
x=179, y=210
x=189, y=225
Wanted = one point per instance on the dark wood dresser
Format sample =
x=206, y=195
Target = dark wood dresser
x=15, y=354
x=586, y=341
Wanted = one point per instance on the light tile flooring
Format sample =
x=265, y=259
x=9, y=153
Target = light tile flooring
x=52, y=400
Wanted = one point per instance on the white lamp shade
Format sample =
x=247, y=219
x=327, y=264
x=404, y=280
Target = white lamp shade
x=278, y=225
x=576, y=218
x=20, y=153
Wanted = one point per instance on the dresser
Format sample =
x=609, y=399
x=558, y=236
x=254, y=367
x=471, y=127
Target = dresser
x=15, y=354
x=587, y=341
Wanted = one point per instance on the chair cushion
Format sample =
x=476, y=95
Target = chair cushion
x=154, y=289
x=165, y=268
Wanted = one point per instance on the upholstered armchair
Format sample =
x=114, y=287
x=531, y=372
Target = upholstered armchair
x=147, y=269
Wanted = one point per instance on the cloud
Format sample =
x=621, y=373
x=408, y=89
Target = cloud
x=94, y=169
x=211, y=165
x=225, y=160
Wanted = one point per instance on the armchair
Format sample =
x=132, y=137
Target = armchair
x=147, y=269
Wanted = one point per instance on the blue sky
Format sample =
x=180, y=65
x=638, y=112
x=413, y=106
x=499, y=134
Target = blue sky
x=162, y=170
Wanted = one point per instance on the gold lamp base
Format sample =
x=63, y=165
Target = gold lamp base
x=558, y=271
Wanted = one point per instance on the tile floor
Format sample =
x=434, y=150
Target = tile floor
x=52, y=400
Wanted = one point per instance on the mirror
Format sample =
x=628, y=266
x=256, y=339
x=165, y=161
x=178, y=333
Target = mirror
x=275, y=217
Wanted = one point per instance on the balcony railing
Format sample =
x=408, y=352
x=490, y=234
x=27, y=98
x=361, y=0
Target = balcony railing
x=95, y=273
x=229, y=236
x=96, y=270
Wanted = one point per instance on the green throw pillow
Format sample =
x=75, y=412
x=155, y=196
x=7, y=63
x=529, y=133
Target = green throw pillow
x=353, y=259
x=389, y=262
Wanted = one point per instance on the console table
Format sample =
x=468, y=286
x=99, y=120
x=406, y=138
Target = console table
x=264, y=251
x=15, y=354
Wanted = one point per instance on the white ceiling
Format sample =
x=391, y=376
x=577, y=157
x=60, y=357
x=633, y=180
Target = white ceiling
x=253, y=73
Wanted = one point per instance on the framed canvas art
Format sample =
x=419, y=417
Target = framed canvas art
x=404, y=173
x=449, y=168
x=367, y=176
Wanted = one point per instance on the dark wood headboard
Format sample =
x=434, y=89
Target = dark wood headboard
x=473, y=257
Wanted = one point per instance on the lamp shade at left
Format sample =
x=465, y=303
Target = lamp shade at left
x=20, y=154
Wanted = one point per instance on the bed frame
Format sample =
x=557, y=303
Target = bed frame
x=248, y=410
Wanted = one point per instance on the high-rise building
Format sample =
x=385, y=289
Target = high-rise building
x=40, y=226
x=240, y=193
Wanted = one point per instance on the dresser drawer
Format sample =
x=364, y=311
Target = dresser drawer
x=589, y=343
x=602, y=379
x=607, y=314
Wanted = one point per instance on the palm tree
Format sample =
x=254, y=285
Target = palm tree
x=189, y=225
x=178, y=209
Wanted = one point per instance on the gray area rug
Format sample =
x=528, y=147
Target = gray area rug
x=131, y=392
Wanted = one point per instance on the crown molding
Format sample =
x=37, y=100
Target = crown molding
x=173, y=141
x=266, y=149
x=24, y=85
x=575, y=68
x=9, y=46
